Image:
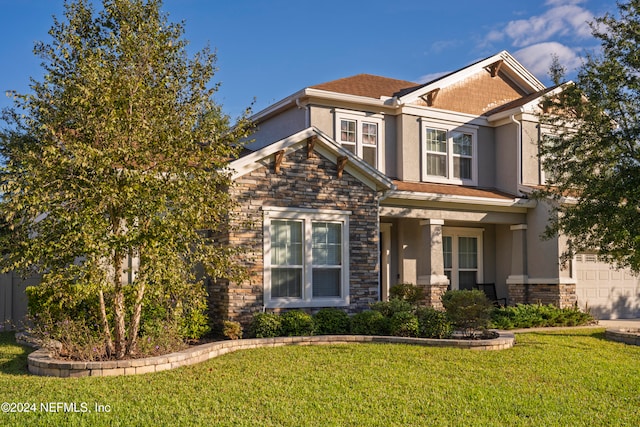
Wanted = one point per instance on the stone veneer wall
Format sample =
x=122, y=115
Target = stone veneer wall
x=302, y=182
x=433, y=295
x=560, y=295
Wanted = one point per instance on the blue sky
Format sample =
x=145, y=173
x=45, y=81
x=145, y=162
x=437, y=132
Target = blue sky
x=270, y=49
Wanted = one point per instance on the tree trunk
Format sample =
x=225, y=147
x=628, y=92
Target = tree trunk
x=118, y=307
x=134, y=325
x=105, y=325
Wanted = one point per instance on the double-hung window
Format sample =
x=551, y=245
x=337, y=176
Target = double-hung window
x=360, y=133
x=306, y=257
x=449, y=153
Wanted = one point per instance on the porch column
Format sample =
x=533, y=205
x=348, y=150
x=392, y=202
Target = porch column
x=518, y=278
x=431, y=275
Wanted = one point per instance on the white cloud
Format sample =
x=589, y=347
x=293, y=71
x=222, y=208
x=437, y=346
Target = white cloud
x=562, y=2
x=537, y=58
x=430, y=77
x=565, y=20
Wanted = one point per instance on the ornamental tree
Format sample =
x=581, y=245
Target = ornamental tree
x=591, y=149
x=119, y=152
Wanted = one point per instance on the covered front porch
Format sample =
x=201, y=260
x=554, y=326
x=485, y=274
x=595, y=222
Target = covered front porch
x=455, y=241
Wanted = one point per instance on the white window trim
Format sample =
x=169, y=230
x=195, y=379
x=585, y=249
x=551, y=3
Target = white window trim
x=308, y=216
x=454, y=233
x=449, y=128
x=361, y=117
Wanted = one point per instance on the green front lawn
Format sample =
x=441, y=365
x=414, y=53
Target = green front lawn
x=564, y=378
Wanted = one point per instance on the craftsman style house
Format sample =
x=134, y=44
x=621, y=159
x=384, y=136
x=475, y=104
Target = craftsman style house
x=357, y=184
x=352, y=186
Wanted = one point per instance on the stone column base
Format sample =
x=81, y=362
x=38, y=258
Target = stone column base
x=433, y=287
x=562, y=295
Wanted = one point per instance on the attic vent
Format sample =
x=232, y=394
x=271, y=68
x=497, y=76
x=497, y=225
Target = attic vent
x=495, y=68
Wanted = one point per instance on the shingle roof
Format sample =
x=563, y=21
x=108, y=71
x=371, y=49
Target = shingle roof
x=367, y=85
x=520, y=101
x=453, y=190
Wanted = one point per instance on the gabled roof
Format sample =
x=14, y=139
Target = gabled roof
x=383, y=92
x=324, y=146
x=502, y=61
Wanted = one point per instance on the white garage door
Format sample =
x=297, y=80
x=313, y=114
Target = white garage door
x=608, y=293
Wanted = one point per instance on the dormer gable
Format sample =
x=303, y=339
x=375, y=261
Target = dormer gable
x=478, y=88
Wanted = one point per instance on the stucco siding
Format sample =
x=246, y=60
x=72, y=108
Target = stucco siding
x=542, y=254
x=284, y=124
x=506, y=158
x=408, y=140
x=530, y=162
x=486, y=157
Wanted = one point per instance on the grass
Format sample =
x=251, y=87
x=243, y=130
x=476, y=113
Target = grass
x=561, y=378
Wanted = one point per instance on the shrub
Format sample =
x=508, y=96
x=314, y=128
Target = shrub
x=433, y=323
x=407, y=292
x=331, y=321
x=182, y=305
x=391, y=307
x=232, y=329
x=468, y=310
x=369, y=322
x=296, y=323
x=266, y=325
x=537, y=315
x=404, y=324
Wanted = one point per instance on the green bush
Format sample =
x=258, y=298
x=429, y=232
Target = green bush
x=408, y=292
x=468, y=310
x=433, y=323
x=404, y=324
x=296, y=323
x=330, y=321
x=391, y=307
x=232, y=329
x=369, y=322
x=266, y=325
x=537, y=315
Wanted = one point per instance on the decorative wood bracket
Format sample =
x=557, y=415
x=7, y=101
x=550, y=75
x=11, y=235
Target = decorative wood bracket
x=311, y=142
x=341, y=162
x=495, y=68
x=430, y=97
x=279, y=156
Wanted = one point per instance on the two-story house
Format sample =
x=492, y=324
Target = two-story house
x=357, y=184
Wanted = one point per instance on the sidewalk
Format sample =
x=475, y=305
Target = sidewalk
x=620, y=323
x=608, y=324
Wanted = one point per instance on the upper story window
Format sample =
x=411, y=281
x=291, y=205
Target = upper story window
x=449, y=154
x=359, y=133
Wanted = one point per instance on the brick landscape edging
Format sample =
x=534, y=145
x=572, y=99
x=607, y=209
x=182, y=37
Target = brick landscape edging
x=41, y=362
x=627, y=336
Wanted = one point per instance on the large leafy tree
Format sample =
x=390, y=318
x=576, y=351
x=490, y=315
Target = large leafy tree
x=119, y=151
x=592, y=145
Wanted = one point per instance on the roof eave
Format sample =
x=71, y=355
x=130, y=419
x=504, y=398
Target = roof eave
x=470, y=200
